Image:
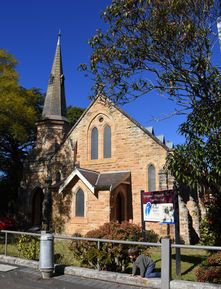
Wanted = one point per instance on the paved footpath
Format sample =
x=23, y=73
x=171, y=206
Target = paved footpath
x=28, y=278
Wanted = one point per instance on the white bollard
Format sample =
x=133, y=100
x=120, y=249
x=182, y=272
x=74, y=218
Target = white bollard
x=46, y=260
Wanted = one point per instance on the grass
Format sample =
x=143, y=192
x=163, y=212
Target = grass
x=12, y=249
x=63, y=255
x=190, y=259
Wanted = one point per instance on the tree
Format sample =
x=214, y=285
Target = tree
x=19, y=111
x=167, y=46
x=155, y=45
x=74, y=113
x=198, y=161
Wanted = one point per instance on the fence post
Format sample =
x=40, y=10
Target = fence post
x=165, y=263
x=98, y=264
x=6, y=242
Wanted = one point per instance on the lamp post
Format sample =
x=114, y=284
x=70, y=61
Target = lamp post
x=46, y=258
x=47, y=206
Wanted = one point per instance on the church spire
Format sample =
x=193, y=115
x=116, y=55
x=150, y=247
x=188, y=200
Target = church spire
x=55, y=102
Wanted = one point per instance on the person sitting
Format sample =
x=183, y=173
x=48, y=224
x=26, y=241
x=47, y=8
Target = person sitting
x=144, y=263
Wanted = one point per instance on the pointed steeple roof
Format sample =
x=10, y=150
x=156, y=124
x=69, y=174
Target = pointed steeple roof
x=55, y=102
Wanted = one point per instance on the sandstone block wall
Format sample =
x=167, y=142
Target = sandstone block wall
x=132, y=149
x=97, y=210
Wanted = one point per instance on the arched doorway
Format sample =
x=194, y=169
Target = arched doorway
x=120, y=208
x=37, y=200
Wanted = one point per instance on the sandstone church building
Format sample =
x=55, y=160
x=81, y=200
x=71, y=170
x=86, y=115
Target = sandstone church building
x=98, y=167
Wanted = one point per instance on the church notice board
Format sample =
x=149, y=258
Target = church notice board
x=158, y=206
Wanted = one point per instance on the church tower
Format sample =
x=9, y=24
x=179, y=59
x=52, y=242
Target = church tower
x=53, y=125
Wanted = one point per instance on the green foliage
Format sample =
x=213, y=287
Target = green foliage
x=210, y=269
x=58, y=224
x=62, y=208
x=29, y=247
x=197, y=164
x=208, y=236
x=74, y=113
x=19, y=111
x=154, y=45
x=111, y=257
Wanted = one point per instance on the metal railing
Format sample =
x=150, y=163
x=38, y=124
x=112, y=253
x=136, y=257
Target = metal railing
x=165, y=245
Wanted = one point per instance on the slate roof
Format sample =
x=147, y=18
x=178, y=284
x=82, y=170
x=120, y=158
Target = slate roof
x=55, y=102
x=91, y=176
x=97, y=181
x=112, y=180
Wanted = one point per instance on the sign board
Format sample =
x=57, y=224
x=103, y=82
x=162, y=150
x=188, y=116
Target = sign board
x=158, y=206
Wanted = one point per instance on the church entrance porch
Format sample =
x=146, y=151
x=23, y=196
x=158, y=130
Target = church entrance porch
x=96, y=198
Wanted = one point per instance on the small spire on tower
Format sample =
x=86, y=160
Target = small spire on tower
x=55, y=102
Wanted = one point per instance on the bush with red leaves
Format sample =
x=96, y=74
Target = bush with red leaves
x=110, y=256
x=7, y=223
x=210, y=269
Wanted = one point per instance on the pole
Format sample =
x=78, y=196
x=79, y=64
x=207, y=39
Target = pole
x=6, y=243
x=165, y=263
x=177, y=230
x=98, y=263
x=142, y=218
x=47, y=206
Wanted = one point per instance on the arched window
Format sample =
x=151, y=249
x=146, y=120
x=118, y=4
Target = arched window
x=79, y=205
x=151, y=178
x=94, y=144
x=107, y=142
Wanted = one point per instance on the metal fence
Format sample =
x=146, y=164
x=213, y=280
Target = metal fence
x=165, y=245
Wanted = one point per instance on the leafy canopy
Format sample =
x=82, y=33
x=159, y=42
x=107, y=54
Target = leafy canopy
x=74, y=113
x=155, y=45
x=19, y=111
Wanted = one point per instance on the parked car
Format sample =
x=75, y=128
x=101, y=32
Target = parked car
x=8, y=223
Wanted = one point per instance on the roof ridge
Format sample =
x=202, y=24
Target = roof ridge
x=88, y=170
x=97, y=180
x=115, y=172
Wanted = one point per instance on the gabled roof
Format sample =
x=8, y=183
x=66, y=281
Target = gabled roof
x=96, y=181
x=112, y=180
x=145, y=130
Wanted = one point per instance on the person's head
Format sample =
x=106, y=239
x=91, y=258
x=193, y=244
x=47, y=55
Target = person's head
x=133, y=253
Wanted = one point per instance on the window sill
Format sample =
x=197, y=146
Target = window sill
x=103, y=160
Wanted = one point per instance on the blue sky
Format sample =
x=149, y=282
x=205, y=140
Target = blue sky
x=29, y=29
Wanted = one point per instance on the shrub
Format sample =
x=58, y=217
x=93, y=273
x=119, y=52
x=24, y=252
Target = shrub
x=210, y=269
x=8, y=223
x=208, y=236
x=29, y=247
x=110, y=256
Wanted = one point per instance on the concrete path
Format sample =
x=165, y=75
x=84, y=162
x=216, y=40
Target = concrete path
x=28, y=278
x=90, y=276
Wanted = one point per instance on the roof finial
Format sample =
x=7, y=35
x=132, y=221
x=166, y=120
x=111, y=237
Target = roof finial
x=59, y=37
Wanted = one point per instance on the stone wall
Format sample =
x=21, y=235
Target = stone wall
x=132, y=149
x=97, y=210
